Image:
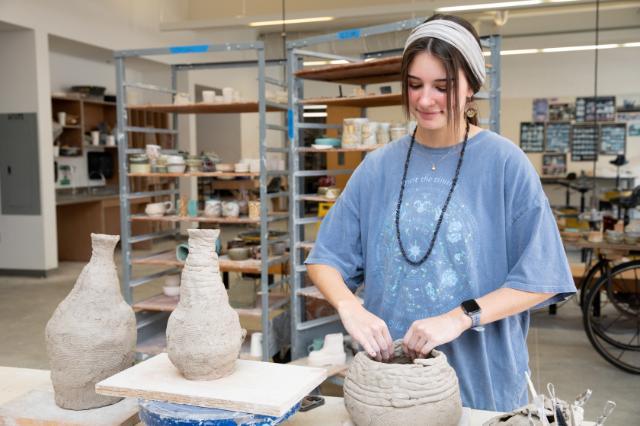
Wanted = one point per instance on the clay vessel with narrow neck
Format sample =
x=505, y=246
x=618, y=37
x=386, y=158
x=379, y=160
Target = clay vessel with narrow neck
x=203, y=333
x=92, y=333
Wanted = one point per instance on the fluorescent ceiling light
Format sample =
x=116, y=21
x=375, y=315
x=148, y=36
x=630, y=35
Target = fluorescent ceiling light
x=636, y=44
x=484, y=6
x=577, y=48
x=291, y=21
x=317, y=63
x=315, y=107
x=314, y=114
x=519, y=52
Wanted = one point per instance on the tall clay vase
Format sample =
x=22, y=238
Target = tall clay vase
x=203, y=333
x=401, y=393
x=92, y=333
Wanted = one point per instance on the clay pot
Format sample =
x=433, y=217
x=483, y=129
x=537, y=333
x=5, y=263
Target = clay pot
x=92, y=333
x=203, y=333
x=402, y=393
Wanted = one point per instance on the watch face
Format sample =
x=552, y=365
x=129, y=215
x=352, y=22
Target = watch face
x=470, y=306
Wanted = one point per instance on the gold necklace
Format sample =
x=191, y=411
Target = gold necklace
x=434, y=164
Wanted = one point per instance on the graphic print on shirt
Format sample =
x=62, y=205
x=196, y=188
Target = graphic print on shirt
x=439, y=284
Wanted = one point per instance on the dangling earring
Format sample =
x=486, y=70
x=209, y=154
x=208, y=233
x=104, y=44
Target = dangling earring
x=470, y=109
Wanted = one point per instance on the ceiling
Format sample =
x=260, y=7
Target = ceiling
x=544, y=18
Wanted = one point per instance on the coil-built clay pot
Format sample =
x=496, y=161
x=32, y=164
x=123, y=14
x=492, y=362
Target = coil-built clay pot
x=402, y=392
x=92, y=333
x=203, y=333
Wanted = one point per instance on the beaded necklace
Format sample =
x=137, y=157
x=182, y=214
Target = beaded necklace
x=444, y=208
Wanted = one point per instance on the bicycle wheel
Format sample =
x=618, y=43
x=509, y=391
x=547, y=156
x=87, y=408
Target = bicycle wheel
x=611, y=316
x=593, y=275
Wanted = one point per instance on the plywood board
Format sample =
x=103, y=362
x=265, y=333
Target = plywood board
x=38, y=408
x=254, y=387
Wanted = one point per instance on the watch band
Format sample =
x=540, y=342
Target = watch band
x=472, y=310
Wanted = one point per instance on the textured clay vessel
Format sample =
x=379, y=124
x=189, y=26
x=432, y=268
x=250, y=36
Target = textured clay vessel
x=402, y=392
x=92, y=333
x=203, y=333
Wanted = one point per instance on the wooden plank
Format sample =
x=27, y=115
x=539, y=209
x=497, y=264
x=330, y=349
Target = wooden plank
x=197, y=174
x=38, y=408
x=374, y=71
x=359, y=148
x=203, y=108
x=164, y=303
x=254, y=387
x=175, y=218
x=168, y=258
x=236, y=184
x=316, y=198
x=366, y=101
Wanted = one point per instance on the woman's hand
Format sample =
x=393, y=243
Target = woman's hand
x=367, y=329
x=426, y=334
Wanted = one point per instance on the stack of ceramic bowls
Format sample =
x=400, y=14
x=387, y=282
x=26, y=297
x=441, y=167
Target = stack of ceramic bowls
x=194, y=163
x=175, y=164
x=139, y=164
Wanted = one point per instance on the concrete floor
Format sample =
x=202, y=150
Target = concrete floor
x=558, y=347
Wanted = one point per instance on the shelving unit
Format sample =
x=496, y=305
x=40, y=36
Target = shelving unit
x=153, y=312
x=362, y=71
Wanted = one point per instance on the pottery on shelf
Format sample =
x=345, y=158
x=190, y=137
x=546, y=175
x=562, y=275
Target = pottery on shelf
x=402, y=392
x=92, y=333
x=203, y=332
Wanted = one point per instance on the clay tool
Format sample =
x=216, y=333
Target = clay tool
x=606, y=412
x=552, y=395
x=582, y=398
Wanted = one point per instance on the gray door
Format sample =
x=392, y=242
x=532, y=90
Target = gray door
x=19, y=170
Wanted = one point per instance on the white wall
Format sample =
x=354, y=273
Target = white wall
x=29, y=242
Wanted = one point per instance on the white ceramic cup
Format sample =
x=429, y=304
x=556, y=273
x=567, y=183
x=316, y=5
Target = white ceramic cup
x=213, y=208
x=95, y=137
x=153, y=151
x=227, y=94
x=256, y=345
x=158, y=209
x=111, y=140
x=62, y=118
x=230, y=209
x=208, y=96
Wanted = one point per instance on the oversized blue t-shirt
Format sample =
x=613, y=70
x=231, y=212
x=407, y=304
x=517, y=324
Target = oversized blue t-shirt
x=498, y=231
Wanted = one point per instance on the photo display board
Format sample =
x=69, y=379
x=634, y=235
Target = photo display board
x=602, y=108
x=558, y=137
x=613, y=138
x=532, y=137
x=584, y=142
x=554, y=164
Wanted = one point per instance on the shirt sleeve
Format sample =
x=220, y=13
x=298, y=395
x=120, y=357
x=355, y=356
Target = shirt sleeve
x=536, y=257
x=339, y=241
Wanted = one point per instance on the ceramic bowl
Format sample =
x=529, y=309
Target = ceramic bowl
x=171, y=291
x=176, y=168
x=333, y=142
x=140, y=168
x=174, y=159
x=239, y=253
x=224, y=167
x=172, y=280
x=614, y=237
x=241, y=167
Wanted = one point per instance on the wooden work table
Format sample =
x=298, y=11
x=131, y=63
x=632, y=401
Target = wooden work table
x=80, y=215
x=15, y=382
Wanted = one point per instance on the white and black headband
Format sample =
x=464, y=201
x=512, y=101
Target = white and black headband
x=457, y=36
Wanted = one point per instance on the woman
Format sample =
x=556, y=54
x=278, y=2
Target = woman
x=449, y=230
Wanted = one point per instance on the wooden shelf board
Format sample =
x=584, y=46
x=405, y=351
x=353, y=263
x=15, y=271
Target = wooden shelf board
x=307, y=245
x=317, y=198
x=375, y=71
x=197, y=174
x=314, y=293
x=365, y=101
x=221, y=220
x=164, y=303
x=168, y=258
x=359, y=148
x=202, y=108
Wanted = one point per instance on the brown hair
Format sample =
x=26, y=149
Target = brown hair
x=452, y=60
